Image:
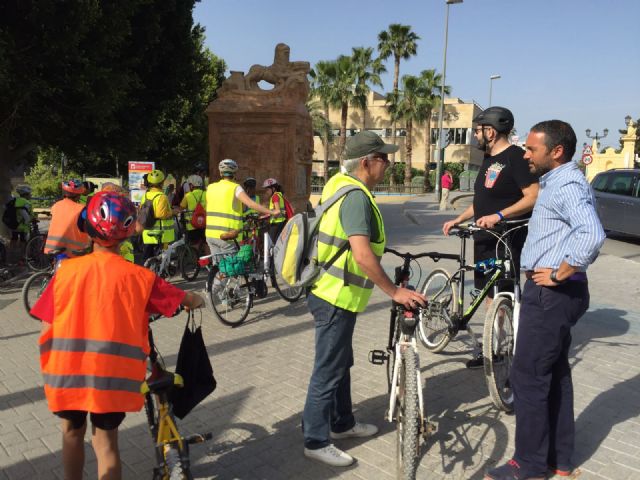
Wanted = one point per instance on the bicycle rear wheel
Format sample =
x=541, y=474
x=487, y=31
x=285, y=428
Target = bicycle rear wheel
x=497, y=344
x=407, y=416
x=33, y=288
x=441, y=296
x=34, y=254
x=290, y=294
x=231, y=298
x=153, y=264
x=174, y=463
x=189, y=267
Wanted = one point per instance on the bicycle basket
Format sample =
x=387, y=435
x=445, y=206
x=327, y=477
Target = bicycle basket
x=239, y=264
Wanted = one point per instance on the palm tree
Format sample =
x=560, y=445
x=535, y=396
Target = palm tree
x=431, y=85
x=323, y=80
x=354, y=74
x=402, y=43
x=367, y=70
x=407, y=105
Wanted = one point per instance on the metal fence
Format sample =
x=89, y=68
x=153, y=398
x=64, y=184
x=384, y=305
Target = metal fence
x=383, y=189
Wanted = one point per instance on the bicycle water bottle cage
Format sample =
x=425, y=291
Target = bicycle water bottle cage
x=474, y=294
x=378, y=357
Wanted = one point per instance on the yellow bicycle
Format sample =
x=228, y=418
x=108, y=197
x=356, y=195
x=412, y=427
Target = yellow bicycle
x=172, y=449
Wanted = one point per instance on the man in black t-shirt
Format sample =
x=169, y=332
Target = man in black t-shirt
x=504, y=189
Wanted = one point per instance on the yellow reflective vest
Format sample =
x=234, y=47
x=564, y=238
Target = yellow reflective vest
x=344, y=284
x=193, y=198
x=224, y=210
x=283, y=214
x=163, y=228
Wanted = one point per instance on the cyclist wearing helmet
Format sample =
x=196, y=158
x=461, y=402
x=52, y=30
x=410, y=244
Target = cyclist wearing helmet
x=225, y=200
x=24, y=213
x=250, y=185
x=277, y=203
x=192, y=198
x=63, y=229
x=504, y=189
x=84, y=306
x=163, y=230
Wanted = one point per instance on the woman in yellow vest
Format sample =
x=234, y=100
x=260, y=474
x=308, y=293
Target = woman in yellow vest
x=225, y=200
x=94, y=345
x=342, y=292
x=276, y=202
x=163, y=230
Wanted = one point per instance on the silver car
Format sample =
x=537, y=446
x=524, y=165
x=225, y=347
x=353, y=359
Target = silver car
x=618, y=200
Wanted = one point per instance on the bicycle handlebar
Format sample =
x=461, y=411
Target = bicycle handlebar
x=157, y=316
x=503, y=224
x=435, y=256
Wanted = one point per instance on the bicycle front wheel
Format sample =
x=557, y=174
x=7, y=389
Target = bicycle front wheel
x=497, y=344
x=231, y=298
x=33, y=288
x=434, y=325
x=34, y=254
x=153, y=264
x=407, y=416
x=189, y=267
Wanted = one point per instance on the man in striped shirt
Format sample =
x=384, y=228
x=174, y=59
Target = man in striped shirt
x=565, y=236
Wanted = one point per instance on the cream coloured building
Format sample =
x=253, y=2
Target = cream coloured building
x=458, y=116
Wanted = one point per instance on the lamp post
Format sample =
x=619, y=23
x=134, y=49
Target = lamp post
x=605, y=132
x=439, y=153
x=491, y=79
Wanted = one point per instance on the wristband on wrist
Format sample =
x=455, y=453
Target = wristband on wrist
x=553, y=277
x=500, y=215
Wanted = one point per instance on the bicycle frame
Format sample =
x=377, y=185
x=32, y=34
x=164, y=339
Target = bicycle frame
x=169, y=253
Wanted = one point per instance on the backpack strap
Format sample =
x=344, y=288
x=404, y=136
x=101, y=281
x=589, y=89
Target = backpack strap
x=328, y=203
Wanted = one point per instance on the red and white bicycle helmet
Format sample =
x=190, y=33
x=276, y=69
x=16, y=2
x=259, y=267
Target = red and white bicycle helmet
x=73, y=187
x=110, y=218
x=269, y=182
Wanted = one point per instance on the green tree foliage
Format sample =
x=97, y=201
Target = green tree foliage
x=104, y=81
x=46, y=175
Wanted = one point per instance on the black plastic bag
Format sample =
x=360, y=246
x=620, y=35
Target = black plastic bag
x=196, y=371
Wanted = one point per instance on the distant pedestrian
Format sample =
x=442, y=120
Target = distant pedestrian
x=447, y=184
x=565, y=236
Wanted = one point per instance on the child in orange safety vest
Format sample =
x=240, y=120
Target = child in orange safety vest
x=94, y=341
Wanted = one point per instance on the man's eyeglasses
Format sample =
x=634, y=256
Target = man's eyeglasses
x=381, y=156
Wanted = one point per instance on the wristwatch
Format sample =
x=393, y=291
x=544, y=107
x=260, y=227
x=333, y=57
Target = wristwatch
x=553, y=277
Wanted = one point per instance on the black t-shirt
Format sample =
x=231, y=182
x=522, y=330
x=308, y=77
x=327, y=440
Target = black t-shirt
x=500, y=182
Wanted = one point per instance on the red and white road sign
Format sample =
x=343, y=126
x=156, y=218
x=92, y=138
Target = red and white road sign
x=587, y=159
x=587, y=150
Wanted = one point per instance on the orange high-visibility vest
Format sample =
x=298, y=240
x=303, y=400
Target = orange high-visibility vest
x=93, y=356
x=63, y=231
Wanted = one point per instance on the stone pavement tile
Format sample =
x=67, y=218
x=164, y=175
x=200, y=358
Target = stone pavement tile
x=19, y=471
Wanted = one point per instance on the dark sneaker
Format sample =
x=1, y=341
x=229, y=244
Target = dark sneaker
x=476, y=362
x=509, y=471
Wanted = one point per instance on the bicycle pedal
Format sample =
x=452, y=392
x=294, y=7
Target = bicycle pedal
x=378, y=357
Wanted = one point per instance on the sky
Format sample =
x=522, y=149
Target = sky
x=574, y=60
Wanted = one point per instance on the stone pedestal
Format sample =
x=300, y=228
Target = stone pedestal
x=267, y=132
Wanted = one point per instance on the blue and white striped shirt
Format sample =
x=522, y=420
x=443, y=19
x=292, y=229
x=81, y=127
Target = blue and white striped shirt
x=564, y=224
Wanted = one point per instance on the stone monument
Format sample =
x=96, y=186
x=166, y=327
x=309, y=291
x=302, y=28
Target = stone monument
x=267, y=132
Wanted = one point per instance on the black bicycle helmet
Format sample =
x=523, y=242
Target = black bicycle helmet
x=497, y=117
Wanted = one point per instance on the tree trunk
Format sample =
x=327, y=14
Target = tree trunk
x=427, y=152
x=325, y=162
x=343, y=130
x=408, y=153
x=396, y=75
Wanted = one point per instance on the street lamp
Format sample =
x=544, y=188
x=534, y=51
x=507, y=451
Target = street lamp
x=605, y=132
x=491, y=79
x=439, y=153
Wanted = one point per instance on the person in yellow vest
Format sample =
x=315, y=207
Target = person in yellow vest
x=94, y=341
x=24, y=214
x=163, y=230
x=342, y=292
x=196, y=195
x=225, y=200
x=65, y=214
x=250, y=185
x=276, y=202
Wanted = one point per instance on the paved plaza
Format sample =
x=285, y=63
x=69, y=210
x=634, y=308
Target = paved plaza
x=263, y=368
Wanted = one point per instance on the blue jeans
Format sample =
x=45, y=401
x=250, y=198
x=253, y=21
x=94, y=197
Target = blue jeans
x=328, y=405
